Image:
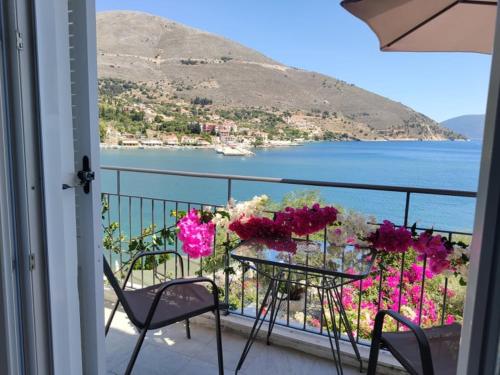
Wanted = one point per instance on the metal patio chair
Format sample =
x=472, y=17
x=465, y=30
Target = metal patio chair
x=421, y=351
x=160, y=305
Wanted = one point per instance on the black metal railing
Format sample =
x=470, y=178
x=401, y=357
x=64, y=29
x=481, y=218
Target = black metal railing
x=134, y=213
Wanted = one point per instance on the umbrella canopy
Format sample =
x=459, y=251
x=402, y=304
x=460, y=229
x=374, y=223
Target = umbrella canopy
x=429, y=25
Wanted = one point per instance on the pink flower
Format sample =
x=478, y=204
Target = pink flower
x=274, y=234
x=304, y=221
x=315, y=322
x=450, y=319
x=390, y=239
x=289, y=245
x=392, y=281
x=260, y=227
x=366, y=283
x=435, y=249
x=197, y=237
x=415, y=273
x=347, y=300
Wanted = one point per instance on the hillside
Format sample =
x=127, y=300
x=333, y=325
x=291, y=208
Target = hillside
x=181, y=64
x=472, y=126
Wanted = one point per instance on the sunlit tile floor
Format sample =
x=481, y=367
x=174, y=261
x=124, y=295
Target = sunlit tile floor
x=168, y=351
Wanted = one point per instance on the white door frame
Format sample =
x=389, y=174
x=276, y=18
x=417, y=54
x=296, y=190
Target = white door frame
x=25, y=189
x=67, y=63
x=52, y=54
x=57, y=273
x=479, y=349
x=86, y=140
x=53, y=102
x=11, y=352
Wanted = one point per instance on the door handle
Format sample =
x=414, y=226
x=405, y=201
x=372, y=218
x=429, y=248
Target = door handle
x=86, y=175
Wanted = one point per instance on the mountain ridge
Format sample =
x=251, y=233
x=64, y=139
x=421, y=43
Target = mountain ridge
x=186, y=63
x=472, y=126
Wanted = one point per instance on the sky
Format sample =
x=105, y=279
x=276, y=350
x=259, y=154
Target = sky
x=319, y=35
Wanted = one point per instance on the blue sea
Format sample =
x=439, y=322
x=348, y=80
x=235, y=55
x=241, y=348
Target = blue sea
x=442, y=165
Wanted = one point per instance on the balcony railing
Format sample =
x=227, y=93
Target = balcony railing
x=243, y=291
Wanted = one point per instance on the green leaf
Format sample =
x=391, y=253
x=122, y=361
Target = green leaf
x=177, y=214
x=414, y=230
x=223, y=213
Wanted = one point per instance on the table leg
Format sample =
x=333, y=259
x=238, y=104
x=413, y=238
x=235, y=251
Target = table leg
x=336, y=330
x=338, y=364
x=274, y=310
x=343, y=315
x=256, y=325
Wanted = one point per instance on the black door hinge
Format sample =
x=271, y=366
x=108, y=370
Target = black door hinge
x=86, y=175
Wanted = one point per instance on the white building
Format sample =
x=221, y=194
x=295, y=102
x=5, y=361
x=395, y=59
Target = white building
x=151, y=143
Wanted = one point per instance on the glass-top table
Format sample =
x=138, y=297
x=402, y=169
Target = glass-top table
x=318, y=265
x=314, y=258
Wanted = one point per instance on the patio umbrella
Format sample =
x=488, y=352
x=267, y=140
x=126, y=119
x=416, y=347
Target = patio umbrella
x=429, y=25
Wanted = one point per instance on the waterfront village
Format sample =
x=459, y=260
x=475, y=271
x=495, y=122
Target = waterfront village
x=157, y=115
x=224, y=136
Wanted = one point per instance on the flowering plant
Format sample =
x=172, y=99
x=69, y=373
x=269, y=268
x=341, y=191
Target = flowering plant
x=307, y=220
x=262, y=228
x=441, y=254
x=351, y=228
x=399, y=290
x=196, y=234
x=240, y=211
x=196, y=228
x=277, y=232
x=388, y=238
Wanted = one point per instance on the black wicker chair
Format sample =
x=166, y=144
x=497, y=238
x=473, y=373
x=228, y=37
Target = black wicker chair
x=163, y=304
x=428, y=351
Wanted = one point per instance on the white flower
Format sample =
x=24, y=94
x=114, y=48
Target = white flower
x=241, y=210
x=353, y=226
x=220, y=221
x=457, y=260
x=408, y=312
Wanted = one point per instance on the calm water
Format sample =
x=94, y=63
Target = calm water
x=446, y=165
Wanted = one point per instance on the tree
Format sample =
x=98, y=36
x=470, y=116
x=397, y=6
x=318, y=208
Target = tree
x=136, y=115
x=194, y=128
x=201, y=101
x=102, y=130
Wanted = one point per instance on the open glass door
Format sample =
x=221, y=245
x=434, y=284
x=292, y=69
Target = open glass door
x=49, y=221
x=82, y=37
x=480, y=345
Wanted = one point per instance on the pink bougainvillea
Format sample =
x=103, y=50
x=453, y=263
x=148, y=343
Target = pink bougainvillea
x=197, y=237
x=288, y=245
x=435, y=249
x=400, y=290
x=261, y=228
x=277, y=233
x=307, y=220
x=390, y=239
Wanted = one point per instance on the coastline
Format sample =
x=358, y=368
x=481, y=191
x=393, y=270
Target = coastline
x=107, y=146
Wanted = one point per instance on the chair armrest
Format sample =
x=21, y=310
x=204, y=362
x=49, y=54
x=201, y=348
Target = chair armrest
x=423, y=343
x=143, y=254
x=169, y=284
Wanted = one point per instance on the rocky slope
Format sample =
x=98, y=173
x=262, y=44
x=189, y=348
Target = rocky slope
x=187, y=63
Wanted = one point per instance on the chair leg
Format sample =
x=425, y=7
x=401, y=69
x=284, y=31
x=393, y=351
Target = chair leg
x=220, y=359
x=375, y=346
x=188, y=329
x=372, y=362
x=137, y=348
x=110, y=319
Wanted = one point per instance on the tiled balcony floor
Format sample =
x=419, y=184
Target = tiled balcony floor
x=168, y=351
